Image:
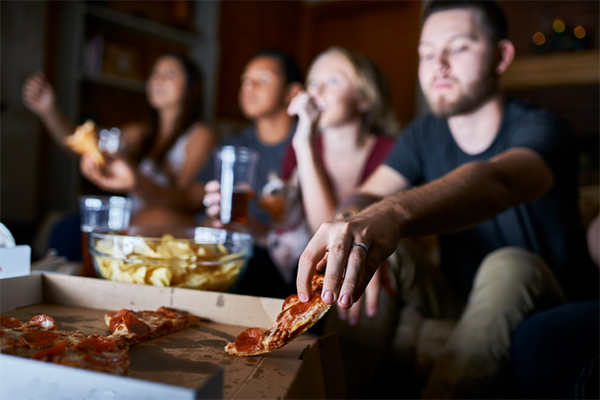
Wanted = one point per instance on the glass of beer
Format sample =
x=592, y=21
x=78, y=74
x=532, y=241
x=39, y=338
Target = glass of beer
x=234, y=169
x=113, y=212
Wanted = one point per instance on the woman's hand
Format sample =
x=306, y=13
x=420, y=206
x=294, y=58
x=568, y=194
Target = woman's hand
x=308, y=114
x=370, y=298
x=116, y=176
x=349, y=267
x=38, y=95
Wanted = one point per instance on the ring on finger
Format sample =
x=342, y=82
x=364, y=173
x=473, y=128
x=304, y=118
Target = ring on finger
x=206, y=203
x=362, y=246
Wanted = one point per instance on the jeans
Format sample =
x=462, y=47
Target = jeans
x=554, y=354
x=510, y=284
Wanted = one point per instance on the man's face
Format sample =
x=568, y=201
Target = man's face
x=262, y=90
x=456, y=69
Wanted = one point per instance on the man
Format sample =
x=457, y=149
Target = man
x=495, y=178
x=269, y=82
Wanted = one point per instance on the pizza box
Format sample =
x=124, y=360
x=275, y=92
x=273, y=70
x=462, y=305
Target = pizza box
x=190, y=364
x=15, y=261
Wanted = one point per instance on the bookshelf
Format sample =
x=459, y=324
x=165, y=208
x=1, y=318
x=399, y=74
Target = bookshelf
x=103, y=57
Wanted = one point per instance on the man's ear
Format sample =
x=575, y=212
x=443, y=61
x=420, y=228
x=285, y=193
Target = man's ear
x=506, y=49
x=292, y=90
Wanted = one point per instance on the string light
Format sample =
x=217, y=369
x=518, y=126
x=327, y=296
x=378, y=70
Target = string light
x=558, y=25
x=579, y=32
x=539, y=38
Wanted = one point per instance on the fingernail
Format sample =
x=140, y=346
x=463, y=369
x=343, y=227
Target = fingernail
x=346, y=300
x=353, y=321
x=371, y=311
x=328, y=296
x=302, y=297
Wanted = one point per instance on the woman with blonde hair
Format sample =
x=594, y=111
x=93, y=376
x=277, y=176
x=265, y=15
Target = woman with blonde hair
x=345, y=128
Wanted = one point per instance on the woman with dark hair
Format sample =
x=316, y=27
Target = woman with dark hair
x=157, y=160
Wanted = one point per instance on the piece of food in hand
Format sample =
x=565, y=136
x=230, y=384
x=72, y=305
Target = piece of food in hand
x=138, y=326
x=85, y=141
x=295, y=319
x=40, y=339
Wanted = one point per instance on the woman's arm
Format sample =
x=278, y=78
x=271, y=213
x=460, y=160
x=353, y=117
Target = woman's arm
x=39, y=97
x=317, y=194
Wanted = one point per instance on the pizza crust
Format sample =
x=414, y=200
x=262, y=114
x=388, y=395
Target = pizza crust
x=85, y=141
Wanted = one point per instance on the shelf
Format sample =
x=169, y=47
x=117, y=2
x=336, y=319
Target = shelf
x=552, y=70
x=116, y=82
x=145, y=26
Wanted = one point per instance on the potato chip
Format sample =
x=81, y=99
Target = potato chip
x=168, y=262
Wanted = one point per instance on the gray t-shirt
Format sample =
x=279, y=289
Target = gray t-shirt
x=270, y=160
x=549, y=226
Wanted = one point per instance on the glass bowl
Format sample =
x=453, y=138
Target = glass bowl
x=193, y=257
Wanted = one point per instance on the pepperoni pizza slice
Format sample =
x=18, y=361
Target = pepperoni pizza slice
x=85, y=141
x=40, y=339
x=138, y=326
x=295, y=319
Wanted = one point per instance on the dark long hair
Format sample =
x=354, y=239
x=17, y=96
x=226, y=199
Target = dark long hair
x=191, y=113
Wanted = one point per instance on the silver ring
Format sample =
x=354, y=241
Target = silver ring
x=362, y=246
x=206, y=203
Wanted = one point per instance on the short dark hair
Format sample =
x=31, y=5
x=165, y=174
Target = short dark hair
x=494, y=19
x=288, y=65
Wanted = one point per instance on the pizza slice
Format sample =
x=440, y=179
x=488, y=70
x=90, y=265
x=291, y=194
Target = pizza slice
x=41, y=339
x=85, y=141
x=139, y=326
x=295, y=319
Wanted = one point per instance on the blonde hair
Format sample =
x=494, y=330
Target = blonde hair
x=374, y=87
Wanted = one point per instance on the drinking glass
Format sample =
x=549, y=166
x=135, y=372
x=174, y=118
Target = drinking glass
x=234, y=169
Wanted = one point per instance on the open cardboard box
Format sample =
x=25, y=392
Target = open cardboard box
x=189, y=364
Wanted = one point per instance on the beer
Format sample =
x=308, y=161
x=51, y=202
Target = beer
x=239, y=205
x=86, y=258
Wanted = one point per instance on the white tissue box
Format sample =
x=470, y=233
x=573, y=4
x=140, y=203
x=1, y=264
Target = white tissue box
x=15, y=261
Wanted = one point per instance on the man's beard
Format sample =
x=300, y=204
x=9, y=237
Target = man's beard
x=470, y=99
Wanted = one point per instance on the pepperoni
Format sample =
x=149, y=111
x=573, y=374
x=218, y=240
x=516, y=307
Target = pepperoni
x=97, y=344
x=249, y=341
x=9, y=322
x=290, y=301
x=135, y=326
x=301, y=308
x=39, y=338
x=44, y=322
x=52, y=352
x=116, y=318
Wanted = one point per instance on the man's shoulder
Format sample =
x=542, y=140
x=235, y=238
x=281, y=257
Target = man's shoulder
x=525, y=111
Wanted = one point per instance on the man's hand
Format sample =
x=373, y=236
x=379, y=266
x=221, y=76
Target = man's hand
x=349, y=268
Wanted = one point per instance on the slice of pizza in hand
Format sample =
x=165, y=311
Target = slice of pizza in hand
x=138, y=326
x=85, y=141
x=295, y=319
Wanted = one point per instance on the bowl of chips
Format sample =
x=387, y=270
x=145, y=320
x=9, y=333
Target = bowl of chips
x=193, y=257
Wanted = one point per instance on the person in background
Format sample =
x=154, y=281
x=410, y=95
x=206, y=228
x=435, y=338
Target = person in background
x=158, y=160
x=345, y=128
x=496, y=179
x=269, y=82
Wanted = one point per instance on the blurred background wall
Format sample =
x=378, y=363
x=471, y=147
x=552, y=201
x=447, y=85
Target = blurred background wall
x=98, y=54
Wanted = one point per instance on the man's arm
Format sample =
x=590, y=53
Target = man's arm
x=384, y=181
x=471, y=194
